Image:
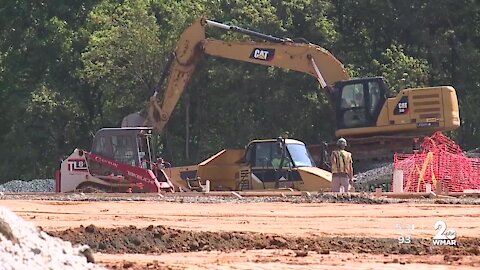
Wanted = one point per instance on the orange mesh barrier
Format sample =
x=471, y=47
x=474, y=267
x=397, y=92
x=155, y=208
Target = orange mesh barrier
x=439, y=160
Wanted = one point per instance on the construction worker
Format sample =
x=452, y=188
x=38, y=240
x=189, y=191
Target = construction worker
x=278, y=159
x=286, y=162
x=276, y=162
x=342, y=167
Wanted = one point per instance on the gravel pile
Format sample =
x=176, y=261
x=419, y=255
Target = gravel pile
x=382, y=171
x=24, y=246
x=37, y=185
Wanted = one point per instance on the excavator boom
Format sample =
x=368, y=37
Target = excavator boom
x=364, y=113
x=278, y=52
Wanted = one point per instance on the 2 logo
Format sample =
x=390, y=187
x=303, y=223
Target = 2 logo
x=444, y=237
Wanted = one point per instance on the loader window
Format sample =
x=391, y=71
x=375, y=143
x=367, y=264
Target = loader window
x=262, y=155
x=268, y=155
x=123, y=149
x=101, y=147
x=144, y=151
x=300, y=155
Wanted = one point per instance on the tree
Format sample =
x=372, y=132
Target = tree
x=123, y=57
x=38, y=49
x=400, y=70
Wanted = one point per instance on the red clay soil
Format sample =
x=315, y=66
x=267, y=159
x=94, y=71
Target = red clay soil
x=285, y=251
x=285, y=260
x=166, y=235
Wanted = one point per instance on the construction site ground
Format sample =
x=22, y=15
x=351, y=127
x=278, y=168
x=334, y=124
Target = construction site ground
x=259, y=233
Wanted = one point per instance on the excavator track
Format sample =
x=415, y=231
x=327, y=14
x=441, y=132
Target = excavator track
x=368, y=152
x=372, y=158
x=90, y=187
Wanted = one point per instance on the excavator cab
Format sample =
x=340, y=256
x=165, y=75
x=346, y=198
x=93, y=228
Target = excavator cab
x=364, y=108
x=377, y=125
x=359, y=102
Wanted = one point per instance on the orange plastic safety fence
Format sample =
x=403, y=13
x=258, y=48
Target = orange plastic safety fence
x=439, y=160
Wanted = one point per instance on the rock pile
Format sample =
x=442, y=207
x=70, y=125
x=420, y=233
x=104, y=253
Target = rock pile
x=381, y=171
x=37, y=185
x=24, y=246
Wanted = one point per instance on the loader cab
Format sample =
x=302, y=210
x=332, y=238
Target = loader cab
x=132, y=146
x=278, y=154
x=276, y=163
x=359, y=101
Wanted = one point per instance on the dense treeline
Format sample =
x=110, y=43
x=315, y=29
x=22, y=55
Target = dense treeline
x=68, y=68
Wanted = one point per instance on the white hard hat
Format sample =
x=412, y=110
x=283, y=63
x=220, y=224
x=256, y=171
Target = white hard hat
x=342, y=141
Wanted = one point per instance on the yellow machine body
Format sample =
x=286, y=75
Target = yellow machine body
x=252, y=169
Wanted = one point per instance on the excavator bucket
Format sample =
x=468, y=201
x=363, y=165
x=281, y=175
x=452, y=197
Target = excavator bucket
x=135, y=120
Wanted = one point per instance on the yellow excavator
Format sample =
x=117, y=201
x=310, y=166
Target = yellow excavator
x=361, y=105
x=374, y=125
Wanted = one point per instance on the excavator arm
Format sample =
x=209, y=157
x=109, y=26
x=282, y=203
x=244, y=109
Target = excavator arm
x=364, y=114
x=278, y=52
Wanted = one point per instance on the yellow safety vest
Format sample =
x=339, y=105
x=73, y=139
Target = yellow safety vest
x=341, y=161
x=286, y=162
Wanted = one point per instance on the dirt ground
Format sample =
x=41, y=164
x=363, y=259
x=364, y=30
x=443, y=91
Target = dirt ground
x=267, y=235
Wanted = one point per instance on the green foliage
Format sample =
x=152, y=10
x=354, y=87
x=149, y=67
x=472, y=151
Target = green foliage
x=123, y=55
x=400, y=70
x=38, y=48
x=69, y=68
x=44, y=133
